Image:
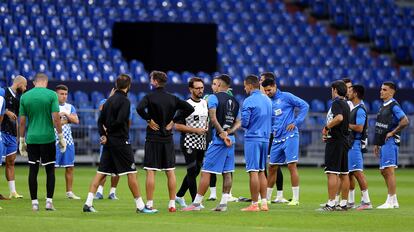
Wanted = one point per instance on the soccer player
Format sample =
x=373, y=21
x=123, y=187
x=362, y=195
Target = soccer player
x=193, y=139
x=358, y=125
x=257, y=121
x=9, y=129
x=117, y=157
x=285, y=145
x=224, y=114
x=391, y=119
x=68, y=116
x=279, y=174
x=213, y=177
x=41, y=108
x=335, y=134
x=159, y=109
x=115, y=178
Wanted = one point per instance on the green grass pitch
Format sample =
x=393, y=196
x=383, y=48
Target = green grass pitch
x=120, y=215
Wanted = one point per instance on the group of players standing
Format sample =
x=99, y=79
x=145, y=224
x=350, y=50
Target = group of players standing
x=271, y=133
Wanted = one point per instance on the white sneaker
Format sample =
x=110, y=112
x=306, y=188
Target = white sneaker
x=386, y=205
x=282, y=201
x=233, y=199
x=396, y=205
x=180, y=201
x=71, y=195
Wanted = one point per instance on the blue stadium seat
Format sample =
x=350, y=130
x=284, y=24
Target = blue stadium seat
x=317, y=105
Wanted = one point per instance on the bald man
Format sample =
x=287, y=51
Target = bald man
x=9, y=129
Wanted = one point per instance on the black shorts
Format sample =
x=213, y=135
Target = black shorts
x=159, y=156
x=117, y=160
x=42, y=153
x=193, y=157
x=336, y=157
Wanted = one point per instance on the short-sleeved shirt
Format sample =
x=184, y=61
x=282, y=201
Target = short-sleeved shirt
x=66, y=129
x=339, y=131
x=37, y=105
x=397, y=113
x=213, y=103
x=361, y=116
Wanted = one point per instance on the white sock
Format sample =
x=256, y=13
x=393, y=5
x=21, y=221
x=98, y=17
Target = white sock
x=269, y=193
x=351, y=196
x=336, y=199
x=295, y=192
x=113, y=190
x=389, y=199
x=279, y=194
x=49, y=200
x=35, y=201
x=224, y=198
x=331, y=203
x=198, y=199
x=343, y=203
x=69, y=193
x=213, y=193
x=139, y=203
x=89, y=199
x=171, y=204
x=365, y=196
x=150, y=203
x=394, y=199
x=264, y=201
x=12, y=186
x=100, y=189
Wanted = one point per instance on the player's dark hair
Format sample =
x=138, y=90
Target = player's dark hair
x=225, y=78
x=268, y=82
x=390, y=84
x=252, y=80
x=194, y=79
x=62, y=87
x=359, y=90
x=346, y=80
x=340, y=87
x=268, y=75
x=123, y=81
x=160, y=77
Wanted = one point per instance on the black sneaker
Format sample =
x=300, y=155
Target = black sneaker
x=244, y=199
x=89, y=209
x=341, y=208
x=327, y=208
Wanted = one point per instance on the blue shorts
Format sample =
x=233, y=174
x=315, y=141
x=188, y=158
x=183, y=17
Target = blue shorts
x=285, y=152
x=389, y=154
x=218, y=159
x=255, y=153
x=9, y=144
x=355, y=158
x=66, y=159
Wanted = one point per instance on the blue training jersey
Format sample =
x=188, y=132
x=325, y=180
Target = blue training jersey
x=256, y=117
x=283, y=114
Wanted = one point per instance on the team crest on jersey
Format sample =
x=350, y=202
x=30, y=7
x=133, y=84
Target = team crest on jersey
x=189, y=150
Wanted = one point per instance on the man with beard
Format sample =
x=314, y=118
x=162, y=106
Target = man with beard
x=9, y=128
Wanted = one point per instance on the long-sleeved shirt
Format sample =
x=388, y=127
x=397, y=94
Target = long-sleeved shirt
x=283, y=107
x=255, y=117
x=114, y=117
x=162, y=107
